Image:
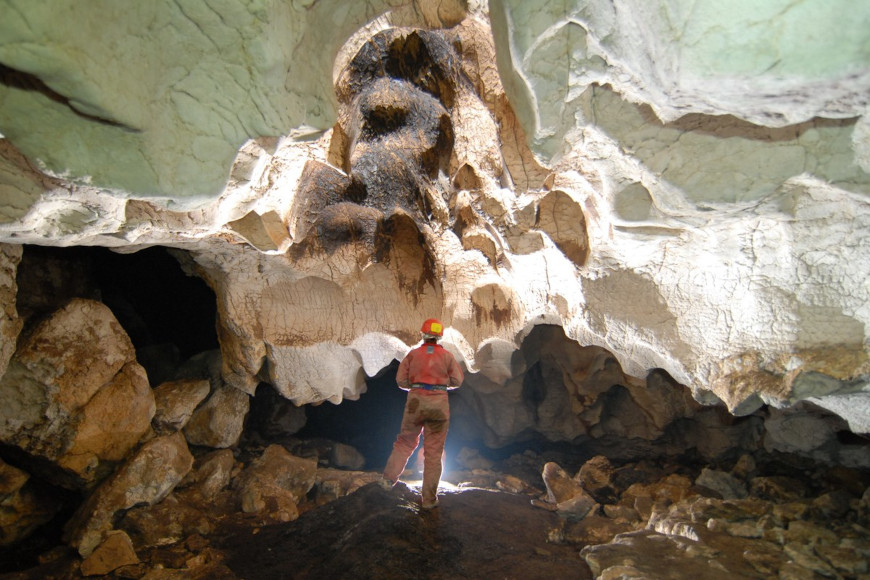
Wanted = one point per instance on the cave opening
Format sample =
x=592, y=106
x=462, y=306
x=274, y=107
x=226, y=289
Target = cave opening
x=168, y=315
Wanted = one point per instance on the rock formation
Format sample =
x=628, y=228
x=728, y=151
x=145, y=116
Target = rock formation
x=640, y=220
x=631, y=232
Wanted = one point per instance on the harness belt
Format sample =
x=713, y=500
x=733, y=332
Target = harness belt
x=428, y=387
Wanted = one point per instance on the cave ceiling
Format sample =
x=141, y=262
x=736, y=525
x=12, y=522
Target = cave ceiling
x=683, y=184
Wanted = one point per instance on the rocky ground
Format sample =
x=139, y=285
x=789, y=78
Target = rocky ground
x=526, y=517
x=475, y=533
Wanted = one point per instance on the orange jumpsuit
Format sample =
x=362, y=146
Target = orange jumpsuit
x=426, y=373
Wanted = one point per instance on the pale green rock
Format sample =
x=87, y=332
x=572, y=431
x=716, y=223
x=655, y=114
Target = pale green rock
x=138, y=89
x=682, y=56
x=18, y=192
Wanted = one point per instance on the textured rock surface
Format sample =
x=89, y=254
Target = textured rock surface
x=219, y=421
x=22, y=508
x=798, y=521
x=73, y=393
x=146, y=478
x=176, y=87
x=686, y=208
x=211, y=473
x=115, y=551
x=10, y=324
x=176, y=401
x=604, y=204
x=275, y=483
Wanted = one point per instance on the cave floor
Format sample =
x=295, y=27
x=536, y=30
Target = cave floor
x=373, y=533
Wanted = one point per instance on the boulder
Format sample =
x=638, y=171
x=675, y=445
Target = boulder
x=219, y=421
x=167, y=522
x=275, y=482
x=332, y=484
x=568, y=496
x=560, y=486
x=74, y=395
x=23, y=508
x=211, y=473
x=144, y=479
x=346, y=457
x=273, y=416
x=111, y=423
x=596, y=477
x=176, y=402
x=115, y=551
x=595, y=529
x=778, y=488
x=10, y=323
x=647, y=497
x=725, y=484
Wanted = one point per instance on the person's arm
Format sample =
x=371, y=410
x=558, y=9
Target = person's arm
x=403, y=378
x=455, y=373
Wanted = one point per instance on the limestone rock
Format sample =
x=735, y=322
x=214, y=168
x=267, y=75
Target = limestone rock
x=568, y=496
x=167, y=522
x=219, y=421
x=22, y=507
x=346, y=457
x=777, y=488
x=644, y=554
x=595, y=529
x=184, y=123
x=560, y=486
x=844, y=560
x=74, y=393
x=596, y=477
x=725, y=484
x=111, y=423
x=273, y=416
x=332, y=484
x=677, y=207
x=77, y=350
x=146, y=478
x=275, y=482
x=644, y=498
x=211, y=473
x=10, y=324
x=176, y=402
x=115, y=551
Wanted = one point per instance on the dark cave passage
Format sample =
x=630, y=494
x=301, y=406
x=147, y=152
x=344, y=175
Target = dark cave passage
x=168, y=315
x=368, y=424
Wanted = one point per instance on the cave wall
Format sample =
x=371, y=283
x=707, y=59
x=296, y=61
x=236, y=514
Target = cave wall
x=686, y=208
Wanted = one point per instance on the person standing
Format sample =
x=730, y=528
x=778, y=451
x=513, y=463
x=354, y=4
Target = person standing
x=427, y=373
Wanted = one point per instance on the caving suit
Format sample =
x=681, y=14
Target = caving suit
x=426, y=373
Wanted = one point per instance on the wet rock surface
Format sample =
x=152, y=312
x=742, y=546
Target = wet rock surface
x=475, y=533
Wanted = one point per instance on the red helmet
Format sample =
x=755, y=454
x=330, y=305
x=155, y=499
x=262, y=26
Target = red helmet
x=433, y=327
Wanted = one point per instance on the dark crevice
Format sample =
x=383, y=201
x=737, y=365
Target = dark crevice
x=20, y=80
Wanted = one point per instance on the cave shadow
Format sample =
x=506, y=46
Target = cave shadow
x=168, y=314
